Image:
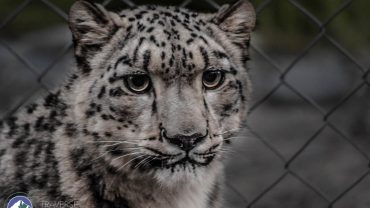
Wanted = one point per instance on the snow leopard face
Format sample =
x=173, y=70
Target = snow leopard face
x=161, y=88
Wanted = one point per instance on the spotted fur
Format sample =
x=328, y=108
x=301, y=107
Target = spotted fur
x=98, y=144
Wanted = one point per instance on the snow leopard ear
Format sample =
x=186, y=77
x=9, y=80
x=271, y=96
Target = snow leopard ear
x=237, y=20
x=91, y=26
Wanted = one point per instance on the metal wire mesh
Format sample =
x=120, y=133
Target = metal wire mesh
x=325, y=113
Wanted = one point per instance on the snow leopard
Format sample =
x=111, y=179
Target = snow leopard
x=144, y=119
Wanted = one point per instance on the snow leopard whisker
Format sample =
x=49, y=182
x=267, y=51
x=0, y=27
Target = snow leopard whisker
x=125, y=155
x=142, y=161
x=130, y=161
x=152, y=158
x=233, y=138
x=97, y=158
x=121, y=142
x=116, y=144
x=147, y=162
x=228, y=131
x=227, y=151
x=102, y=155
x=222, y=150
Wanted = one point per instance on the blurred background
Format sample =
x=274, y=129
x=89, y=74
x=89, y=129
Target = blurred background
x=306, y=143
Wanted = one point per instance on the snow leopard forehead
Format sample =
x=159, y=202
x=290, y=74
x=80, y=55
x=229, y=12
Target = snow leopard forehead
x=157, y=34
x=173, y=41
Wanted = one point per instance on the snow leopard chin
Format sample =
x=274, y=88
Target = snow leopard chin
x=187, y=174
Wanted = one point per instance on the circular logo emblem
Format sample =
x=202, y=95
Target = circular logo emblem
x=19, y=202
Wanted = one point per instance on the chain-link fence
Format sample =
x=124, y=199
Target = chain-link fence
x=307, y=142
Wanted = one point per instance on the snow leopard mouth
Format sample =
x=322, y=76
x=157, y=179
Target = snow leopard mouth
x=165, y=164
x=165, y=161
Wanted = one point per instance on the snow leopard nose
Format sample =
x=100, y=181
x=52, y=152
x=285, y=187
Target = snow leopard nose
x=184, y=142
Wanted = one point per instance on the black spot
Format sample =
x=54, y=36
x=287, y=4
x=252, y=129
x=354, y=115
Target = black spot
x=104, y=117
x=108, y=134
x=220, y=54
x=190, y=40
x=141, y=40
x=191, y=55
x=172, y=60
x=149, y=30
x=124, y=59
x=111, y=170
x=2, y=152
x=90, y=113
x=160, y=22
x=51, y=172
x=21, y=139
x=146, y=61
x=138, y=16
x=95, y=135
x=129, y=28
x=245, y=58
x=80, y=161
x=86, y=132
x=11, y=122
x=39, y=123
x=54, y=101
x=227, y=107
x=71, y=129
x=115, y=150
x=101, y=92
x=115, y=78
x=152, y=38
x=154, y=107
x=38, y=149
x=116, y=92
x=19, y=161
x=31, y=108
x=240, y=87
x=204, y=40
x=233, y=71
x=163, y=55
x=205, y=57
x=82, y=62
x=51, y=100
x=140, y=27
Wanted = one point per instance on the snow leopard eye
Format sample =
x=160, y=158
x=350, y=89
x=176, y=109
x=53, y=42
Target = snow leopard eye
x=212, y=79
x=138, y=83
